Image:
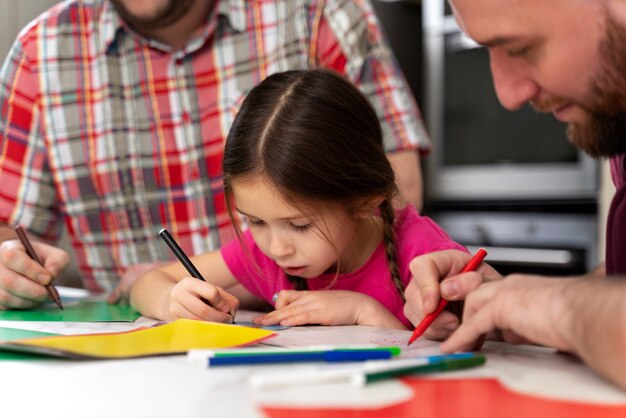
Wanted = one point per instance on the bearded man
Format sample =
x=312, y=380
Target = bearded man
x=567, y=57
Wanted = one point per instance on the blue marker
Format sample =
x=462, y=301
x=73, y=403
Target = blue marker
x=234, y=358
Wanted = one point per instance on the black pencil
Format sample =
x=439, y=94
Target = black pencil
x=180, y=254
x=52, y=291
x=182, y=257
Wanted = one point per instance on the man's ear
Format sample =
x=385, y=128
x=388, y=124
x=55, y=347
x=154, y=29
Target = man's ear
x=367, y=206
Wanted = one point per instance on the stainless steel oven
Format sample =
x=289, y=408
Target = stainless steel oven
x=510, y=181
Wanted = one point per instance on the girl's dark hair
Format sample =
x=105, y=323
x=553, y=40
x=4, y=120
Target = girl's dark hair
x=314, y=137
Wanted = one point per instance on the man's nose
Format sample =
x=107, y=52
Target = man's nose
x=513, y=84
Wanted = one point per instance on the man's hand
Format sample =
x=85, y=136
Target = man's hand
x=437, y=275
x=524, y=308
x=22, y=279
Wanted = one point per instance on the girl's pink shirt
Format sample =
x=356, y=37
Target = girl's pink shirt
x=416, y=235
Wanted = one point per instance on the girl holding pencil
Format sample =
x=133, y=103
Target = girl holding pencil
x=304, y=165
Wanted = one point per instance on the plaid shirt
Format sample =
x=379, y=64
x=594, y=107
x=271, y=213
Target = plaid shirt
x=119, y=136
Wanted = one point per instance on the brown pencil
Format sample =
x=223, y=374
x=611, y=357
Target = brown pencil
x=52, y=291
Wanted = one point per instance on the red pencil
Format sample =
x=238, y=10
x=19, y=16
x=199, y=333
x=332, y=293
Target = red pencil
x=428, y=319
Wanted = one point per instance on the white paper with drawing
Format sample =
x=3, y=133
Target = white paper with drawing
x=351, y=336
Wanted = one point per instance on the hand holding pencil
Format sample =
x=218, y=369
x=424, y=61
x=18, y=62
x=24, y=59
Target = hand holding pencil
x=184, y=296
x=30, y=250
x=429, y=318
x=437, y=277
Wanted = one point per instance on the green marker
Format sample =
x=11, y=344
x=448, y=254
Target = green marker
x=444, y=365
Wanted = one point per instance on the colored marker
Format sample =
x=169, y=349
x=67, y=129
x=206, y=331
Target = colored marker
x=428, y=319
x=296, y=355
x=434, y=367
x=368, y=372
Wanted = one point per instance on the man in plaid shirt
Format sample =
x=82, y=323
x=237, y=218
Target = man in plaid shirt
x=114, y=115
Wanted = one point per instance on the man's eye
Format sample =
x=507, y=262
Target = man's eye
x=514, y=53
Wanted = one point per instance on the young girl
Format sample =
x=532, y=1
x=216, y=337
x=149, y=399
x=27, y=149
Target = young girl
x=304, y=164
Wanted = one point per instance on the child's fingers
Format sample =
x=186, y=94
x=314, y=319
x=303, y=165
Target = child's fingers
x=232, y=302
x=286, y=297
x=179, y=310
x=201, y=310
x=204, y=301
x=279, y=315
x=271, y=318
x=301, y=317
x=217, y=297
x=206, y=313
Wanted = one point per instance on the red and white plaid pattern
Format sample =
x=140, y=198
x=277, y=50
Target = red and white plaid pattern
x=119, y=136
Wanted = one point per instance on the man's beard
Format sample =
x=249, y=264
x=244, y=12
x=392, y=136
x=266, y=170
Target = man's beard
x=604, y=134
x=171, y=13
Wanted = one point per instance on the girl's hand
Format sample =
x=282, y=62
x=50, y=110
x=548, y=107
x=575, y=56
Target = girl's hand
x=328, y=307
x=195, y=299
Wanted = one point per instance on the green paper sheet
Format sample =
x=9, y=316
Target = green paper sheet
x=10, y=334
x=75, y=311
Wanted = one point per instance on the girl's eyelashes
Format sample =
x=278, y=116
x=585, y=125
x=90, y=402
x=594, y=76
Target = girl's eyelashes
x=299, y=228
x=254, y=222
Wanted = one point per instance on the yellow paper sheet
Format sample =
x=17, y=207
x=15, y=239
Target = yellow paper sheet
x=177, y=337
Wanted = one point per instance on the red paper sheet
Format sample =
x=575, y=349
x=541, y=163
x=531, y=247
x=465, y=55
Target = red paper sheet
x=461, y=398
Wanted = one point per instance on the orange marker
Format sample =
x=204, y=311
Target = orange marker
x=428, y=319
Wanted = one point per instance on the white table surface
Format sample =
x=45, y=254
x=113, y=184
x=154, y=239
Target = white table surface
x=171, y=386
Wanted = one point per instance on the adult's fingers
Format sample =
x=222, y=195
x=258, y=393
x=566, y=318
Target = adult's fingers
x=459, y=286
x=14, y=258
x=428, y=270
x=478, y=319
x=443, y=326
x=423, y=290
x=55, y=260
x=470, y=332
x=19, y=292
x=9, y=301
